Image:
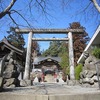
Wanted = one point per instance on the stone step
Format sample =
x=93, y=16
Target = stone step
x=49, y=78
x=93, y=96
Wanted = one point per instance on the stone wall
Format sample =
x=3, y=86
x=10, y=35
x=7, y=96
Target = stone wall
x=88, y=77
x=10, y=72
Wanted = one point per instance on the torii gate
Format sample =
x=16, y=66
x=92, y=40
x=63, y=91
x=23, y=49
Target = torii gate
x=49, y=31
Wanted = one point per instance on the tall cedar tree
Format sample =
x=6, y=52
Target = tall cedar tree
x=35, y=49
x=79, y=40
x=15, y=39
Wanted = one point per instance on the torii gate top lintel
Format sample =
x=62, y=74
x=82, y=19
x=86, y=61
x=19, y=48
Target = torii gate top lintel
x=58, y=31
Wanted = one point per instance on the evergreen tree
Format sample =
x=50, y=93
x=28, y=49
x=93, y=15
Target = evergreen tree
x=65, y=62
x=15, y=39
x=79, y=40
x=35, y=49
x=53, y=49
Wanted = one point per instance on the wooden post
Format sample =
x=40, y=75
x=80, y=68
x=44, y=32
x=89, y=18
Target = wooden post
x=71, y=56
x=28, y=58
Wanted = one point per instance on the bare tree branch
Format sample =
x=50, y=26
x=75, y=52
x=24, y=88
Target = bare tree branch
x=12, y=19
x=21, y=16
x=82, y=10
x=96, y=5
x=30, y=8
x=6, y=11
x=42, y=6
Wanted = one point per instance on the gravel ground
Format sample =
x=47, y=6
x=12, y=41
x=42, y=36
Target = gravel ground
x=51, y=89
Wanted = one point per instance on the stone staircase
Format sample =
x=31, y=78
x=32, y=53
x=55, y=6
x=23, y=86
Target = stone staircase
x=49, y=78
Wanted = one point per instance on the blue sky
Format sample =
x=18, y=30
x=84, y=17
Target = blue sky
x=59, y=16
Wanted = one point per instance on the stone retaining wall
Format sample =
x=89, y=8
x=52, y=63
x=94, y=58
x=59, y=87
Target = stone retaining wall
x=88, y=77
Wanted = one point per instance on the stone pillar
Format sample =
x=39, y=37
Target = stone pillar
x=28, y=58
x=71, y=56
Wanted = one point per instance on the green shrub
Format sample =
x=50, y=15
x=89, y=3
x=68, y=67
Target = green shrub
x=96, y=52
x=78, y=69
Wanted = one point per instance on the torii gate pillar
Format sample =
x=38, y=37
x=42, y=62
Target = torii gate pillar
x=28, y=57
x=71, y=56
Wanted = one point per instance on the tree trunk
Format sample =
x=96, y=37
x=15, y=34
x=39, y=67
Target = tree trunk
x=7, y=9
